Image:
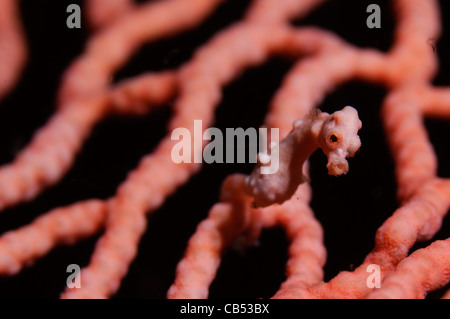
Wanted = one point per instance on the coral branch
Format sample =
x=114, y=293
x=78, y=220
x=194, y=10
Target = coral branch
x=104, y=12
x=51, y=152
x=13, y=51
x=65, y=225
x=138, y=95
x=225, y=222
x=111, y=48
x=413, y=278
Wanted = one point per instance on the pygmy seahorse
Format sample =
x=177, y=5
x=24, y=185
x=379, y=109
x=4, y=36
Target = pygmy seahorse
x=335, y=134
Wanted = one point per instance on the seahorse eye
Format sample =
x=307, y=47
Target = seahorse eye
x=333, y=138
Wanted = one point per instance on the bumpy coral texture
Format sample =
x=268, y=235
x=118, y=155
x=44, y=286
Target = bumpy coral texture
x=248, y=204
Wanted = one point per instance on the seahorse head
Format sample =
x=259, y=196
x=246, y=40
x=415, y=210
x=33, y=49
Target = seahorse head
x=337, y=135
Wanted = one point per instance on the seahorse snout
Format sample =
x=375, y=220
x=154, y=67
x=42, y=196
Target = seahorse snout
x=337, y=164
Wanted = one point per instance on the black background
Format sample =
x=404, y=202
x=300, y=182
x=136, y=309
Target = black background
x=350, y=208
